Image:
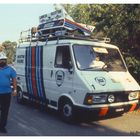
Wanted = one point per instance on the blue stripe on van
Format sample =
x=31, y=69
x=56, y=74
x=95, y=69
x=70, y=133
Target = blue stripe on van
x=26, y=69
x=39, y=71
x=41, y=74
x=28, y=72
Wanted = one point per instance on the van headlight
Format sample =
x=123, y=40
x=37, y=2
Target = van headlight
x=133, y=95
x=95, y=98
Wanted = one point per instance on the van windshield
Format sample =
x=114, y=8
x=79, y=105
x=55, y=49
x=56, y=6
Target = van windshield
x=98, y=58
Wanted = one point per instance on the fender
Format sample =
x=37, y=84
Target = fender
x=19, y=86
x=67, y=96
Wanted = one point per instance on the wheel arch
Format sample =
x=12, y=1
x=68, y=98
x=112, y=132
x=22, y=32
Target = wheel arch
x=64, y=98
x=19, y=87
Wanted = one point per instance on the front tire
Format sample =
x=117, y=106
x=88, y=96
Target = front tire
x=67, y=111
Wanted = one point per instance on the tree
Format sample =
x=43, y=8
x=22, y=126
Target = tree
x=10, y=50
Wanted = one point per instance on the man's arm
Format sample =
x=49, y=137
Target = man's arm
x=14, y=81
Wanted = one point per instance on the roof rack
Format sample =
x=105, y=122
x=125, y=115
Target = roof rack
x=63, y=34
x=104, y=39
x=28, y=35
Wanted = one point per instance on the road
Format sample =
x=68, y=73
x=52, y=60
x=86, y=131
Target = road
x=27, y=120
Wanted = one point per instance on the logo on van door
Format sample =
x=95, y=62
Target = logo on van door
x=59, y=76
x=100, y=80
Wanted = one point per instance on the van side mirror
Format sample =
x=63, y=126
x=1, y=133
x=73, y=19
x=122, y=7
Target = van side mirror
x=70, y=68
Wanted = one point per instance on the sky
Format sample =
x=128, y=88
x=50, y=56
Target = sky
x=17, y=17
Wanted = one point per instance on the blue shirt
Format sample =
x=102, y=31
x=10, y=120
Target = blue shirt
x=6, y=74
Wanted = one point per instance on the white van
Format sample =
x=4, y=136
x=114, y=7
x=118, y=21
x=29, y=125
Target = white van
x=74, y=74
x=68, y=75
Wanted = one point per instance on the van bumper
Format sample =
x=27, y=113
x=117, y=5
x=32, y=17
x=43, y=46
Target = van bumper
x=106, y=110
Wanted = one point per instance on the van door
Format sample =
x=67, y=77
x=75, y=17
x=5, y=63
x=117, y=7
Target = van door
x=62, y=78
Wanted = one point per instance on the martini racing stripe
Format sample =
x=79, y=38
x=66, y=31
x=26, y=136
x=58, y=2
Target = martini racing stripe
x=34, y=72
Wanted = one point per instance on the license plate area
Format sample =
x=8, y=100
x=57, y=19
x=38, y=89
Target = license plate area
x=119, y=109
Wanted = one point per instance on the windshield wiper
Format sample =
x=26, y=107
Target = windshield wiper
x=89, y=68
x=103, y=68
x=93, y=68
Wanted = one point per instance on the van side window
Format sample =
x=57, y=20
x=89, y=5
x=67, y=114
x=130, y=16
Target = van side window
x=62, y=58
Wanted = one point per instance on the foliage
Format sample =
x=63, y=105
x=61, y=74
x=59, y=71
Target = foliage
x=10, y=50
x=134, y=67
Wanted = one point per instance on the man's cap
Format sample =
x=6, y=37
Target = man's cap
x=3, y=55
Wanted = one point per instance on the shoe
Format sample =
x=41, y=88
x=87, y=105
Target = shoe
x=3, y=130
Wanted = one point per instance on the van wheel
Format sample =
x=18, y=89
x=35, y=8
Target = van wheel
x=66, y=111
x=19, y=96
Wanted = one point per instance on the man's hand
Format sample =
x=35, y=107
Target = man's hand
x=14, y=93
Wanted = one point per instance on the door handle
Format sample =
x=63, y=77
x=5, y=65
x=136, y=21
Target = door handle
x=51, y=73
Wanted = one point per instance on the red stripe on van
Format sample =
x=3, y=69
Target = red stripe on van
x=132, y=107
x=34, y=85
x=103, y=111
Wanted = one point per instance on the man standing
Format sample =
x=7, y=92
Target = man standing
x=7, y=75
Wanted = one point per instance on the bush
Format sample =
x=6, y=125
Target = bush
x=133, y=65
